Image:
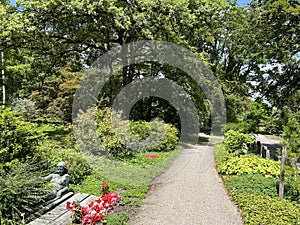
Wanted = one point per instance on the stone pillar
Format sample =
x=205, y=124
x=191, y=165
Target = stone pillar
x=258, y=144
x=268, y=154
x=263, y=151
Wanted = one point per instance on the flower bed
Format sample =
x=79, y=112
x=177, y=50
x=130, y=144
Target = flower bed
x=96, y=210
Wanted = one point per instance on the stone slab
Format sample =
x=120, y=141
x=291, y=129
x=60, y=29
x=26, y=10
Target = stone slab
x=59, y=214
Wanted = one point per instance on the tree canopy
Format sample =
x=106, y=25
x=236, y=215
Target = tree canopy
x=253, y=50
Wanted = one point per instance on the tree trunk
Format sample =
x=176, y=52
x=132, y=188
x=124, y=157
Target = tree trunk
x=281, y=181
x=3, y=81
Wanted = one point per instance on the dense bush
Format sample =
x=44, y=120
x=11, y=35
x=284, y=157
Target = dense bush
x=258, y=209
x=163, y=136
x=122, y=138
x=54, y=97
x=18, y=139
x=236, y=142
x=241, y=127
x=252, y=183
x=250, y=164
x=25, y=106
x=20, y=191
x=78, y=167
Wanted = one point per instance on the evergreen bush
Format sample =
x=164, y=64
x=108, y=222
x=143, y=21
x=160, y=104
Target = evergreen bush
x=20, y=191
x=18, y=139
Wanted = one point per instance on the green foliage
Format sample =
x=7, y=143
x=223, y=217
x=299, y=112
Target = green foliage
x=18, y=139
x=252, y=183
x=236, y=142
x=292, y=189
x=25, y=106
x=107, y=134
x=142, y=130
x=117, y=219
x=20, y=192
x=291, y=135
x=55, y=96
x=241, y=127
x=78, y=167
x=120, y=138
x=258, y=209
x=250, y=164
x=221, y=154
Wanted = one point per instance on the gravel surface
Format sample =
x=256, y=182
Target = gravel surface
x=190, y=192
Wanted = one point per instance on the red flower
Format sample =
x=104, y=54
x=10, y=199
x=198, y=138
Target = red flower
x=151, y=156
x=105, y=185
x=96, y=210
x=68, y=205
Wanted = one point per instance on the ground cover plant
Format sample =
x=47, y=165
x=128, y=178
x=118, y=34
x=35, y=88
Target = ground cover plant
x=252, y=183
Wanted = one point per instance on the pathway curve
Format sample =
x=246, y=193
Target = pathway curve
x=190, y=192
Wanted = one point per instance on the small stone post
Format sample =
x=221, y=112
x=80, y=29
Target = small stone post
x=258, y=144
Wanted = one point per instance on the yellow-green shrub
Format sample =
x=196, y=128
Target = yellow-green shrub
x=250, y=164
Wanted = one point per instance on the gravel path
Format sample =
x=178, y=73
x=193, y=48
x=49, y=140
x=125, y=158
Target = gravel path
x=190, y=192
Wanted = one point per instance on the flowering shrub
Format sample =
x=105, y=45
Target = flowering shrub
x=96, y=210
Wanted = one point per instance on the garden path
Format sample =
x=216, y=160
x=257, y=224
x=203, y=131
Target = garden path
x=189, y=192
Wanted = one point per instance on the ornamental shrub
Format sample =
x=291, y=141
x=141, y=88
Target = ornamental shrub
x=250, y=164
x=164, y=137
x=292, y=189
x=236, y=142
x=25, y=106
x=242, y=127
x=78, y=167
x=121, y=138
x=20, y=191
x=18, y=139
